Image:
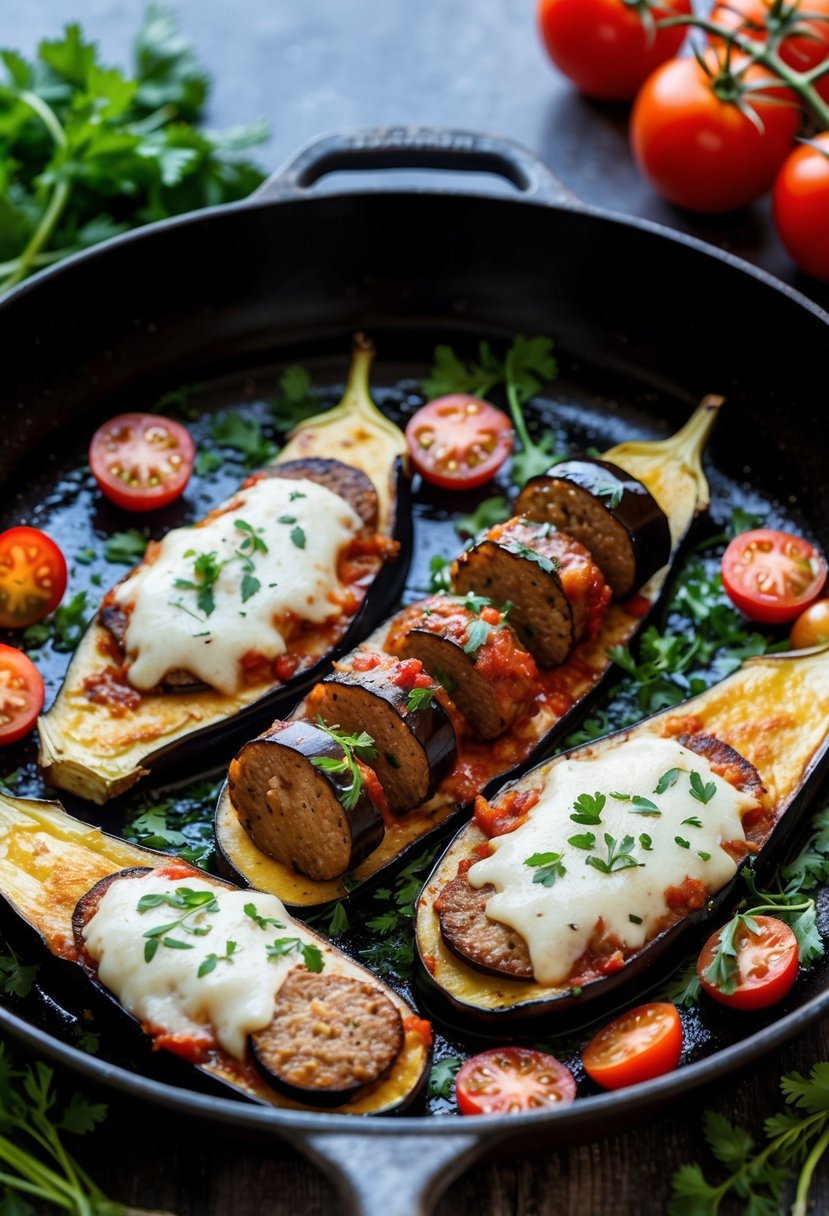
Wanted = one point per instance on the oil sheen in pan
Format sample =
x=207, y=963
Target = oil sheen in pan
x=586, y=408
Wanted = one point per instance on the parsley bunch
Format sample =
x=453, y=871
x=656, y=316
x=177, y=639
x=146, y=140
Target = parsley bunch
x=88, y=151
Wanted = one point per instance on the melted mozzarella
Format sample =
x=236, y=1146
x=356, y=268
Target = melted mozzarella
x=167, y=994
x=557, y=921
x=169, y=631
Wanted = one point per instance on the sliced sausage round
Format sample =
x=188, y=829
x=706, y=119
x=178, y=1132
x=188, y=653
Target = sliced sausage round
x=295, y=809
x=343, y=479
x=476, y=939
x=416, y=747
x=555, y=591
x=610, y=512
x=330, y=1036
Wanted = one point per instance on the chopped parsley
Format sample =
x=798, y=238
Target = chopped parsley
x=211, y=961
x=547, y=564
x=354, y=747
x=667, y=780
x=702, y=793
x=476, y=636
x=613, y=494
x=420, y=698
x=206, y=572
x=619, y=856
x=298, y=537
x=192, y=903
x=311, y=955
x=586, y=840
x=589, y=809
x=125, y=548
x=262, y=921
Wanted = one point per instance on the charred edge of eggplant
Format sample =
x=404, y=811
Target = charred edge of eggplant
x=383, y=594
x=436, y=997
x=637, y=513
x=428, y=729
x=363, y=822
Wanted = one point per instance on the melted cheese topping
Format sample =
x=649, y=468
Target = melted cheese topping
x=234, y=999
x=300, y=528
x=557, y=921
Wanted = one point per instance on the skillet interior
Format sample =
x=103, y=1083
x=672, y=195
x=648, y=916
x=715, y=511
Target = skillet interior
x=645, y=321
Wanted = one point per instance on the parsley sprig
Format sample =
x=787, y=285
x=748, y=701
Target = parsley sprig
x=354, y=747
x=619, y=855
x=549, y=867
x=526, y=366
x=311, y=954
x=192, y=903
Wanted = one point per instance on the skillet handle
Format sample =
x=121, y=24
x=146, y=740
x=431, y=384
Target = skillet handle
x=381, y=1172
x=415, y=148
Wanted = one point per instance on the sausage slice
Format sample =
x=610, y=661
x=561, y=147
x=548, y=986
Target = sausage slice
x=475, y=938
x=296, y=811
x=330, y=1036
x=555, y=590
x=416, y=746
x=343, y=479
x=610, y=512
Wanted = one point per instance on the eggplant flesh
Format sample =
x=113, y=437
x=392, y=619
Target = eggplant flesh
x=612, y=513
x=415, y=748
x=293, y=805
x=50, y=862
x=774, y=712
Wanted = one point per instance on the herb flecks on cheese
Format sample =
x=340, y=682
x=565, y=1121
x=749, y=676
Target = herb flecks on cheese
x=226, y=979
x=213, y=593
x=613, y=873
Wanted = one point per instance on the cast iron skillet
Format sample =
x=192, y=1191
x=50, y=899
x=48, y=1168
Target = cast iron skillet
x=296, y=268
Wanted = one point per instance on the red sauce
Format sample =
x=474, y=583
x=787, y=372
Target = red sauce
x=410, y=674
x=420, y=1027
x=509, y=813
x=109, y=687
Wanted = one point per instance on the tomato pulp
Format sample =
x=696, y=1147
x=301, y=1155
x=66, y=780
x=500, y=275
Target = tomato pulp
x=459, y=442
x=771, y=575
x=32, y=577
x=766, y=964
x=142, y=461
x=512, y=1080
x=22, y=694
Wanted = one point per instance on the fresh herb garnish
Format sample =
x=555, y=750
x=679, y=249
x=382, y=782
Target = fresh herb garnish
x=297, y=401
x=125, y=548
x=391, y=954
x=646, y=842
x=667, y=780
x=206, y=571
x=440, y=577
x=16, y=979
x=692, y=821
x=490, y=511
x=547, y=564
x=589, y=809
x=207, y=462
x=420, y=698
x=183, y=824
x=548, y=866
x=298, y=537
x=643, y=806
x=584, y=840
x=619, y=856
x=613, y=494
x=476, y=636
x=683, y=844
x=243, y=434
x=262, y=921
x=211, y=961
x=702, y=792
x=64, y=628
x=634, y=919
x=311, y=955
x=253, y=542
x=355, y=747
x=192, y=903
x=442, y=1077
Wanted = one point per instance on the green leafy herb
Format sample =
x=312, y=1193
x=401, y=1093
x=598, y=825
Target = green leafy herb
x=183, y=824
x=126, y=548
x=634, y=920
x=547, y=564
x=192, y=904
x=527, y=365
x=796, y=1140
x=85, y=557
x=586, y=840
x=646, y=842
x=211, y=961
x=243, y=434
x=298, y=537
x=487, y=514
x=683, y=844
x=440, y=578
x=15, y=978
x=692, y=821
x=9, y=782
x=297, y=401
x=548, y=866
x=702, y=793
x=88, y=151
x=207, y=462
x=613, y=494
x=476, y=636
x=355, y=747
x=420, y=698
x=442, y=1077
x=703, y=856
x=64, y=628
x=262, y=921
x=619, y=856
x=250, y=585
x=643, y=806
x=391, y=954
x=589, y=810
x=206, y=571
x=667, y=780
x=311, y=954
x=253, y=542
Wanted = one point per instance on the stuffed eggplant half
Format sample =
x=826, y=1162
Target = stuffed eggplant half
x=463, y=688
x=224, y=624
x=221, y=977
x=574, y=879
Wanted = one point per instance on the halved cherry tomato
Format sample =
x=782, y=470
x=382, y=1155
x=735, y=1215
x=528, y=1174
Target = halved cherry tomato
x=512, y=1080
x=142, y=461
x=605, y=47
x=812, y=626
x=767, y=963
x=772, y=576
x=32, y=577
x=21, y=694
x=801, y=204
x=802, y=50
x=643, y=1043
x=459, y=442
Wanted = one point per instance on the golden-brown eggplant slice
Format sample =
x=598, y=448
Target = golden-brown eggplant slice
x=296, y=797
x=50, y=863
x=764, y=730
x=610, y=512
x=555, y=591
x=470, y=649
x=413, y=735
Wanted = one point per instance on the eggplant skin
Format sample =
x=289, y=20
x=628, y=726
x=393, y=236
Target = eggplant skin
x=416, y=749
x=330, y=1037
x=293, y=809
x=629, y=541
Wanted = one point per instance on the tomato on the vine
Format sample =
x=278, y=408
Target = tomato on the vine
x=694, y=142
x=803, y=49
x=142, y=461
x=609, y=47
x=772, y=576
x=459, y=442
x=643, y=1043
x=32, y=577
x=22, y=694
x=764, y=967
x=512, y=1080
x=801, y=205
x=812, y=626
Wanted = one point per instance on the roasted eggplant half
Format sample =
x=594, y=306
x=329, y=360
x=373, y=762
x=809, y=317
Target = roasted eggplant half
x=222, y=977
x=578, y=877
x=607, y=509
x=671, y=469
x=226, y=645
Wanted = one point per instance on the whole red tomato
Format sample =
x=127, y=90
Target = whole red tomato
x=696, y=145
x=802, y=50
x=604, y=47
x=801, y=206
